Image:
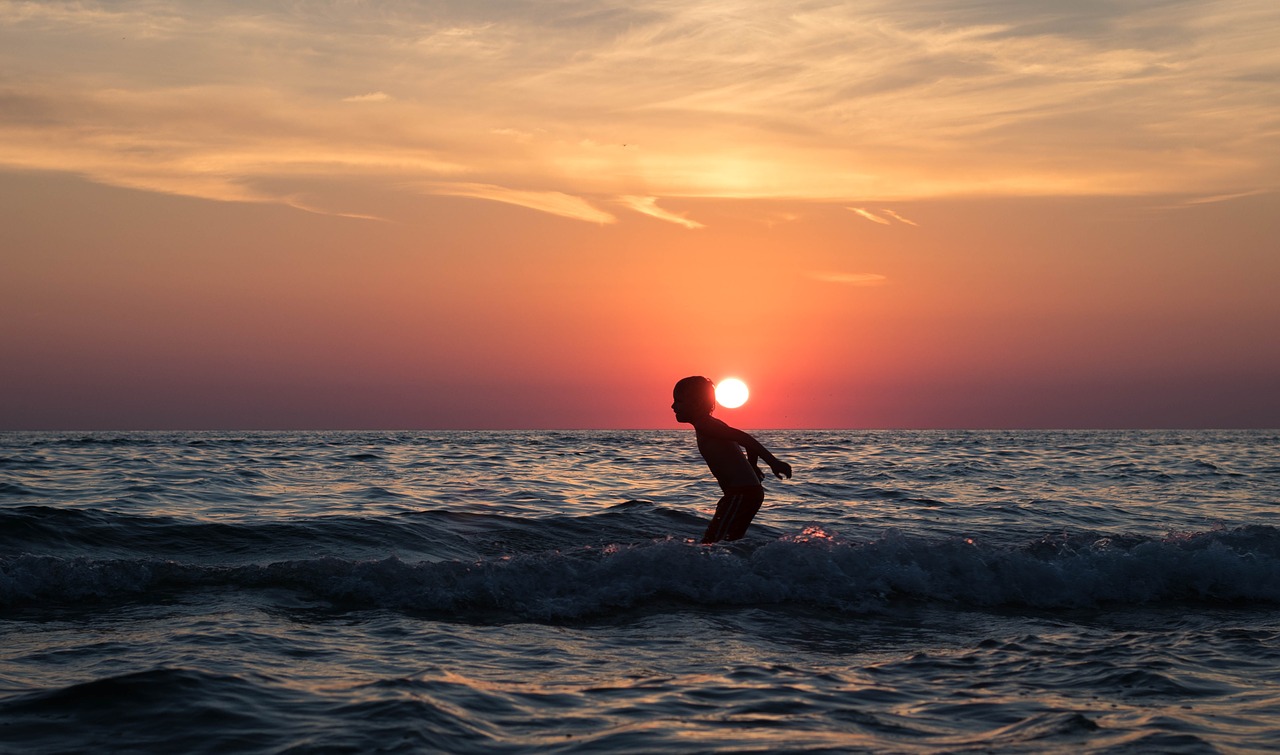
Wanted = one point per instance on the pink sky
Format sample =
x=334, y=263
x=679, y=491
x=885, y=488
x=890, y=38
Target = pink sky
x=877, y=215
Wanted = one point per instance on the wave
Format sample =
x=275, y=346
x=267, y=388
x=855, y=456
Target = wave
x=133, y=712
x=431, y=534
x=180, y=709
x=811, y=568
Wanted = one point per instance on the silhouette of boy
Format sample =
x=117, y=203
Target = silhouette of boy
x=722, y=448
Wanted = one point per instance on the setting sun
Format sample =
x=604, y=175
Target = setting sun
x=731, y=393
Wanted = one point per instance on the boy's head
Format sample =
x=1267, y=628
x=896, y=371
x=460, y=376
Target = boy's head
x=694, y=397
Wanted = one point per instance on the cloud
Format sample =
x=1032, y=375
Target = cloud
x=830, y=102
x=899, y=218
x=554, y=202
x=874, y=218
x=1226, y=197
x=298, y=203
x=370, y=97
x=220, y=143
x=1187, y=203
x=869, y=215
x=851, y=279
x=649, y=206
x=516, y=134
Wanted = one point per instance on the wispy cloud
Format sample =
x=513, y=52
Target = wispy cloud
x=881, y=219
x=851, y=279
x=1227, y=197
x=807, y=100
x=220, y=143
x=370, y=97
x=649, y=206
x=899, y=218
x=299, y=203
x=869, y=215
x=1191, y=202
x=554, y=202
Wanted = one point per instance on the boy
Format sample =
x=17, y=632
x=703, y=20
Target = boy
x=721, y=446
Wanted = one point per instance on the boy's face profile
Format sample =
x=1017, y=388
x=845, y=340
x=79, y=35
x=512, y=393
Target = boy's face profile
x=692, y=400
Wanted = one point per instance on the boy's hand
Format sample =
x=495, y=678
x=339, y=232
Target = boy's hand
x=781, y=469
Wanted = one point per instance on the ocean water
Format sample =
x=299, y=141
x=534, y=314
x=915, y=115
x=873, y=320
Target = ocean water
x=912, y=592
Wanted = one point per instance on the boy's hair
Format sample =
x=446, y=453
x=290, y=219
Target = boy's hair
x=702, y=390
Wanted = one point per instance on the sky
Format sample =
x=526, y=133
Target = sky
x=524, y=215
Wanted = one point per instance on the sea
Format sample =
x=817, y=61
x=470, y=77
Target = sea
x=511, y=592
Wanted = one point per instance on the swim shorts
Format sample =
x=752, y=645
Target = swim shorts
x=734, y=513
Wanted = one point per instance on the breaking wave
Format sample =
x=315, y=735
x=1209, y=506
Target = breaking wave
x=811, y=568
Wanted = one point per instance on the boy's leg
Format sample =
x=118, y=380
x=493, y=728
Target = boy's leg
x=734, y=513
x=715, y=529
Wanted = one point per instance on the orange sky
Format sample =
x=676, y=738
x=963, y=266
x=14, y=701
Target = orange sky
x=540, y=215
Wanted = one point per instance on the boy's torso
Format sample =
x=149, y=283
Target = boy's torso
x=726, y=461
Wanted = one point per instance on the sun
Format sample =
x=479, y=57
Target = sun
x=731, y=393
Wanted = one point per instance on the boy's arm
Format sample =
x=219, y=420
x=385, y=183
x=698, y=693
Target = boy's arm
x=754, y=448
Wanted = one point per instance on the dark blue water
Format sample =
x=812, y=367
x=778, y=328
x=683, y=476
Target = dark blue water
x=414, y=592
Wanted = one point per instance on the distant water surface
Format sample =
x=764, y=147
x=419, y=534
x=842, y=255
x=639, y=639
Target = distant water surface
x=911, y=592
